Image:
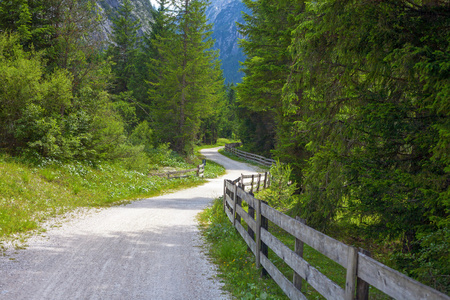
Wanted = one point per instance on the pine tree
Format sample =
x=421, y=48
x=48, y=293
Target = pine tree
x=123, y=49
x=187, y=81
x=146, y=59
x=267, y=35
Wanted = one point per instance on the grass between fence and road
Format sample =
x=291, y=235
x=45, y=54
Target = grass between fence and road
x=236, y=264
x=31, y=194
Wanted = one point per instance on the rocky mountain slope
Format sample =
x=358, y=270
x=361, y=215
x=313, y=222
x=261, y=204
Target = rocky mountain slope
x=142, y=12
x=224, y=14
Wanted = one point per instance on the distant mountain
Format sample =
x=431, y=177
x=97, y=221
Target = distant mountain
x=224, y=14
x=142, y=12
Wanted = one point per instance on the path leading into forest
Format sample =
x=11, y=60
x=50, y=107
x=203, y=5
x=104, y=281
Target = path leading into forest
x=149, y=249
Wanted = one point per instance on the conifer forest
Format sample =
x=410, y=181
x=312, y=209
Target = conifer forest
x=353, y=95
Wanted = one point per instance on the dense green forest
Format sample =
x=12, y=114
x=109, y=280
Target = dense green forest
x=67, y=95
x=355, y=95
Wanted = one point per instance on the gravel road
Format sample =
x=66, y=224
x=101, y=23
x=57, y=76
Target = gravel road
x=149, y=249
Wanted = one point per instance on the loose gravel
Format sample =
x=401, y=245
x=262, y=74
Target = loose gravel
x=149, y=249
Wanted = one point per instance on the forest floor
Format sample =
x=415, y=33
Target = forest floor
x=148, y=249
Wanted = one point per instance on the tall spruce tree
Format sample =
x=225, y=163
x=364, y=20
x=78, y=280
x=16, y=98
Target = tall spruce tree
x=370, y=99
x=267, y=35
x=124, y=48
x=187, y=80
x=146, y=59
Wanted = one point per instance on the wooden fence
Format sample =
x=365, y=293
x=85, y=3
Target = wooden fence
x=254, y=182
x=362, y=270
x=249, y=156
x=199, y=171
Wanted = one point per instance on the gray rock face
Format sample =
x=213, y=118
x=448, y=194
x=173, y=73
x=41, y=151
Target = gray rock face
x=108, y=9
x=224, y=14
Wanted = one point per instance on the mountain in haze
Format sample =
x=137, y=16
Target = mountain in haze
x=109, y=8
x=224, y=14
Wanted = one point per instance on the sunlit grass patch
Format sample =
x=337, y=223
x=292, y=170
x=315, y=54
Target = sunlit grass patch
x=31, y=194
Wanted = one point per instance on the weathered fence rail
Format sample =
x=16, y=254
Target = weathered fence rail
x=254, y=182
x=199, y=171
x=362, y=270
x=249, y=156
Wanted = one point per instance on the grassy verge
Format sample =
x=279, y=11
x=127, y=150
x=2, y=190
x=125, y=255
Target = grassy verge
x=220, y=142
x=236, y=264
x=31, y=194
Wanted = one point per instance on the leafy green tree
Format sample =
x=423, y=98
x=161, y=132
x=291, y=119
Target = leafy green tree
x=64, y=30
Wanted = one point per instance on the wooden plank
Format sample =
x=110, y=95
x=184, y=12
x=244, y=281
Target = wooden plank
x=362, y=287
x=326, y=245
x=394, y=283
x=234, y=206
x=264, y=248
x=250, y=229
x=298, y=249
x=287, y=286
x=229, y=185
x=350, y=281
x=325, y=286
x=247, y=218
x=181, y=172
x=230, y=215
x=224, y=194
x=248, y=240
x=258, y=233
x=246, y=197
x=229, y=200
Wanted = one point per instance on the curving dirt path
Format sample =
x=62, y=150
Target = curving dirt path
x=149, y=249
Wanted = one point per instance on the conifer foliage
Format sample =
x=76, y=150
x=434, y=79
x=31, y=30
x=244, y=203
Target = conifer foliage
x=123, y=49
x=187, y=82
x=358, y=92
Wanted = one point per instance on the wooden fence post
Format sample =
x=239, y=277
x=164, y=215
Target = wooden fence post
x=234, y=206
x=362, y=287
x=251, y=186
x=265, y=180
x=297, y=280
x=259, y=182
x=352, y=265
x=264, y=247
x=224, y=194
x=251, y=212
x=258, y=233
x=238, y=202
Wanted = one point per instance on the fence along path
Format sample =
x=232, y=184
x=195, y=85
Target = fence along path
x=249, y=156
x=199, y=172
x=362, y=270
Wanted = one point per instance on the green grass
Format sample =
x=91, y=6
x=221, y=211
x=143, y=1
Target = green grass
x=236, y=264
x=220, y=142
x=31, y=194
